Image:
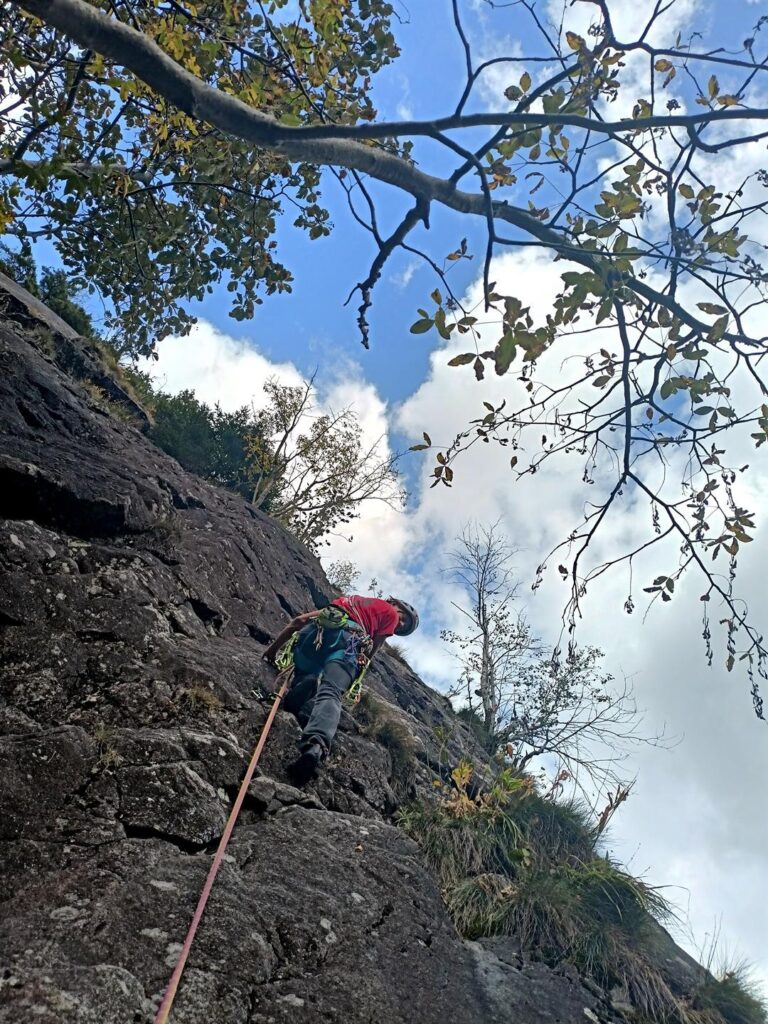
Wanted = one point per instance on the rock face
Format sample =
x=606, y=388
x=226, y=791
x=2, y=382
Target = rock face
x=135, y=601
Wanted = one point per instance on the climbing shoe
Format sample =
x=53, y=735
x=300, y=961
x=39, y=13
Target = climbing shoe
x=305, y=765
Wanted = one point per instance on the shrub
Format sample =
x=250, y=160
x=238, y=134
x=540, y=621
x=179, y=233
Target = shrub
x=732, y=997
x=512, y=863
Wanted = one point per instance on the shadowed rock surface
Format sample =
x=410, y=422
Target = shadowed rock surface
x=135, y=601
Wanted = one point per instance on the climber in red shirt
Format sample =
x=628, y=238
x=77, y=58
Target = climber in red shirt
x=332, y=645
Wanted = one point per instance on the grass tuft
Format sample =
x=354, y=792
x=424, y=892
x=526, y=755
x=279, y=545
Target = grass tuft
x=513, y=863
x=200, y=698
x=733, y=998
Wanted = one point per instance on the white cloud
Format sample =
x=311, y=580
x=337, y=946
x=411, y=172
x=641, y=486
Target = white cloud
x=403, y=277
x=219, y=368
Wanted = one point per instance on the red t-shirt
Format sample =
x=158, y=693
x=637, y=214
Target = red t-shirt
x=377, y=617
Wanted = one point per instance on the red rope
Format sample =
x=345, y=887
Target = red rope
x=173, y=984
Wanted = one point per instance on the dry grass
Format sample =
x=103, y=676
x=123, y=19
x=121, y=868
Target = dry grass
x=106, y=741
x=512, y=863
x=200, y=698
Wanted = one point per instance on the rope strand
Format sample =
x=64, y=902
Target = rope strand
x=173, y=984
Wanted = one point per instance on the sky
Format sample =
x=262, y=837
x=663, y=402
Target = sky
x=696, y=820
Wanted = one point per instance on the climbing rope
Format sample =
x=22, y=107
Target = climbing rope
x=284, y=662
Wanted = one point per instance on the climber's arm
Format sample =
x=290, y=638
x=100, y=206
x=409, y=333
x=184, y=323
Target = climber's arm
x=377, y=643
x=293, y=626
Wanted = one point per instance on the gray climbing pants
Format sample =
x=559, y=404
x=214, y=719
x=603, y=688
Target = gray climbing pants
x=318, y=707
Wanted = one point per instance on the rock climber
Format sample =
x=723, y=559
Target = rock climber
x=333, y=646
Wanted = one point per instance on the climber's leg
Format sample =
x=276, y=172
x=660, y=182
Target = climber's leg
x=298, y=700
x=321, y=728
x=326, y=707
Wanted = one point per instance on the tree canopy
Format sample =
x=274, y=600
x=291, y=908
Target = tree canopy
x=152, y=121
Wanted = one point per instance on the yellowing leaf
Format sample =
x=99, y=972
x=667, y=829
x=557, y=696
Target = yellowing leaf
x=709, y=307
x=525, y=82
x=663, y=65
x=728, y=101
x=713, y=87
x=575, y=42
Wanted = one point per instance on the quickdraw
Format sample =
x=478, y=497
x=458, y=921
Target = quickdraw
x=284, y=658
x=355, y=691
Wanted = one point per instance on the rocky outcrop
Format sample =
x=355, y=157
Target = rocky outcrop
x=135, y=602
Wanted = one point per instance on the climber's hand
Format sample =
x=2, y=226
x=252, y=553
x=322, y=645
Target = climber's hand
x=269, y=655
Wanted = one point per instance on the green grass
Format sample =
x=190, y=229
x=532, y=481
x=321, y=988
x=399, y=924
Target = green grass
x=512, y=863
x=732, y=997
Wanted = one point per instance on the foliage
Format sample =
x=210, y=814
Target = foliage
x=313, y=468
x=210, y=442
x=731, y=997
x=521, y=699
x=310, y=470
x=171, y=122
x=512, y=862
x=342, y=575
x=54, y=288
x=118, y=176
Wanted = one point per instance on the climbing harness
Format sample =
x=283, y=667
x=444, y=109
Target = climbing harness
x=283, y=679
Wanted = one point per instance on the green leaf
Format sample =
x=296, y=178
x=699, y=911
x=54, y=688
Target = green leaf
x=421, y=326
x=504, y=353
x=463, y=359
x=686, y=191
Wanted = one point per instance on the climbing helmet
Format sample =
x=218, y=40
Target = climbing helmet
x=411, y=616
